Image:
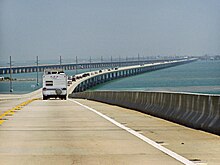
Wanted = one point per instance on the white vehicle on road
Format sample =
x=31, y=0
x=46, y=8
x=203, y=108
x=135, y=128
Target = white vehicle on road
x=54, y=84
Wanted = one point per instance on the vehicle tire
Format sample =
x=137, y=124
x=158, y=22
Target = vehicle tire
x=64, y=97
x=44, y=97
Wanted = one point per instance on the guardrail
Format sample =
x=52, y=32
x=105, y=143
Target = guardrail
x=198, y=111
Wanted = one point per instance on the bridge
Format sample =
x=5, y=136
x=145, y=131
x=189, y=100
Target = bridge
x=72, y=66
x=82, y=131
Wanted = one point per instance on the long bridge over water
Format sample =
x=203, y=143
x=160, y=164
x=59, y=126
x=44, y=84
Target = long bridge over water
x=81, y=131
x=74, y=66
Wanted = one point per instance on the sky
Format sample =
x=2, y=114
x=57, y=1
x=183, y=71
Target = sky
x=84, y=28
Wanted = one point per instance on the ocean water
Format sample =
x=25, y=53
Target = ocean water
x=196, y=77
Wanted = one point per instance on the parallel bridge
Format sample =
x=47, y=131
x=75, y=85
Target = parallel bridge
x=72, y=66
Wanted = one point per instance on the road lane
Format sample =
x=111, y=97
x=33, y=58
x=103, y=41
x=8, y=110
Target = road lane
x=140, y=136
x=62, y=132
x=200, y=147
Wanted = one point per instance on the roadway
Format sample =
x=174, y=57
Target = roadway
x=65, y=132
x=77, y=131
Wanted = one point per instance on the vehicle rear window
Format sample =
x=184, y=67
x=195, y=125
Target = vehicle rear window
x=49, y=83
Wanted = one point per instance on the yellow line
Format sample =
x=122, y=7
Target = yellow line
x=2, y=121
x=2, y=115
x=19, y=107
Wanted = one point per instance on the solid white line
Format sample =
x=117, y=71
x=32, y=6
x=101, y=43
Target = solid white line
x=140, y=136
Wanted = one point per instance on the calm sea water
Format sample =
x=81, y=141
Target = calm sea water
x=196, y=77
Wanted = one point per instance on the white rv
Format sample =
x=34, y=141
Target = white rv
x=54, y=84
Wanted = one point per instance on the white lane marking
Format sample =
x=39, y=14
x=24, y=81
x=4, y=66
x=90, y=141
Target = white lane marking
x=140, y=136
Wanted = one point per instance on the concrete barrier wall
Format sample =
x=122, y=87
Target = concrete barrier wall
x=198, y=111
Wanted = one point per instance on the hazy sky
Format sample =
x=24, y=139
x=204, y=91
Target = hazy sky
x=50, y=28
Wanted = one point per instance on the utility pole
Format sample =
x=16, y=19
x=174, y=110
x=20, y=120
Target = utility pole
x=11, y=89
x=119, y=61
x=90, y=61
x=138, y=59
x=101, y=62
x=76, y=64
x=111, y=61
x=60, y=61
x=37, y=62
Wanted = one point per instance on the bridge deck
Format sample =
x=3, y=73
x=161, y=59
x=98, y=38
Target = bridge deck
x=63, y=132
